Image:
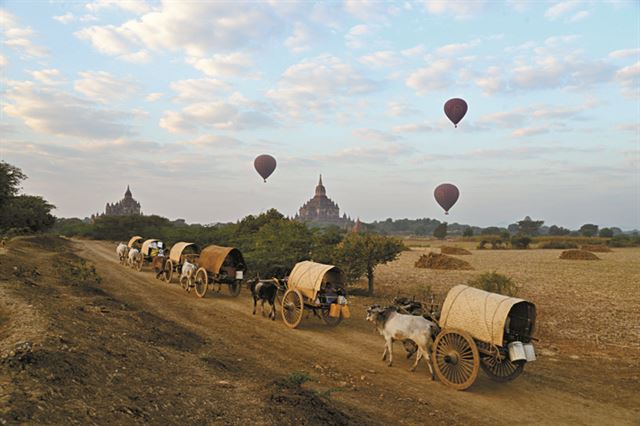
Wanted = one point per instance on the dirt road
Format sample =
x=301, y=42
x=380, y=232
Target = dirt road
x=352, y=350
x=248, y=353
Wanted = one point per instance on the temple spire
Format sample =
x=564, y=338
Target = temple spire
x=320, y=190
x=128, y=193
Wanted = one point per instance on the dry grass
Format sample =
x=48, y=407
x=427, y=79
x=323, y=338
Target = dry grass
x=582, y=306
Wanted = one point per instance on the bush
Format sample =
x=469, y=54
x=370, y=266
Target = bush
x=624, y=241
x=606, y=233
x=441, y=231
x=297, y=378
x=562, y=245
x=520, y=241
x=494, y=283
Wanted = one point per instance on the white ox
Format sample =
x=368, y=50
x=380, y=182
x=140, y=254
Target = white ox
x=394, y=326
x=122, y=251
x=133, y=256
x=187, y=272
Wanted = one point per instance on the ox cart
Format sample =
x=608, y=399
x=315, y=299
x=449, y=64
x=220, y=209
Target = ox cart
x=180, y=253
x=219, y=265
x=317, y=288
x=149, y=249
x=484, y=330
x=135, y=242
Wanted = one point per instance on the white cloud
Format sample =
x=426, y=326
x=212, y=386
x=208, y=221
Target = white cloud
x=19, y=38
x=548, y=72
x=583, y=14
x=65, y=19
x=625, y=53
x=154, y=96
x=493, y=81
x=400, y=109
x=357, y=36
x=224, y=65
x=47, y=76
x=319, y=84
x=460, y=9
x=380, y=59
x=104, y=87
x=135, y=6
x=435, y=76
x=457, y=48
x=415, y=128
x=300, y=40
x=374, y=135
x=4, y=62
x=139, y=57
x=54, y=112
x=629, y=79
x=196, y=28
x=414, y=51
x=214, y=141
x=378, y=153
x=213, y=114
x=368, y=10
x=202, y=89
x=529, y=131
x=561, y=8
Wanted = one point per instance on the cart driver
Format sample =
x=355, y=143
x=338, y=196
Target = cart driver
x=153, y=249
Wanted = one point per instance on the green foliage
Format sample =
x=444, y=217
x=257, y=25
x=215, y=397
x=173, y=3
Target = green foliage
x=529, y=227
x=28, y=212
x=496, y=242
x=10, y=178
x=558, y=230
x=559, y=244
x=606, y=233
x=494, y=283
x=441, y=231
x=324, y=242
x=297, y=378
x=492, y=230
x=520, y=241
x=589, y=230
x=359, y=254
x=624, y=241
x=468, y=232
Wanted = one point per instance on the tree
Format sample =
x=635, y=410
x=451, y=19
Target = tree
x=27, y=212
x=468, y=232
x=441, y=231
x=606, y=233
x=492, y=230
x=359, y=254
x=589, y=230
x=558, y=230
x=529, y=227
x=10, y=178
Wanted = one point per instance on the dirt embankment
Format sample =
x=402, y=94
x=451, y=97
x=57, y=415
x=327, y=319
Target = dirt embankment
x=104, y=344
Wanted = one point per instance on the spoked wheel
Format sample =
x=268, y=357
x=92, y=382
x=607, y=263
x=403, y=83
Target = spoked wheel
x=499, y=367
x=186, y=283
x=139, y=262
x=201, y=282
x=235, y=287
x=167, y=274
x=329, y=320
x=456, y=358
x=292, y=308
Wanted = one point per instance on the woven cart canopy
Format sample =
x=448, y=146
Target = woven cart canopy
x=145, y=246
x=134, y=240
x=480, y=313
x=178, y=248
x=308, y=277
x=212, y=258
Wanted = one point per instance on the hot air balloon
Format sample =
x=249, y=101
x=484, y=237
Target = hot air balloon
x=455, y=109
x=265, y=165
x=446, y=195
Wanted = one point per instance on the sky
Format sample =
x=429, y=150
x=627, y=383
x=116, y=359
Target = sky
x=177, y=98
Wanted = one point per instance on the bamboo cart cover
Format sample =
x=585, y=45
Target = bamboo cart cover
x=145, y=246
x=177, y=249
x=480, y=313
x=212, y=257
x=308, y=277
x=133, y=240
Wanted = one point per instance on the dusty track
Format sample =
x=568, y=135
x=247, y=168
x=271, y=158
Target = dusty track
x=551, y=391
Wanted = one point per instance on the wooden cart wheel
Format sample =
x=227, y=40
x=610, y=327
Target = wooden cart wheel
x=500, y=368
x=186, y=283
x=201, y=282
x=139, y=262
x=235, y=287
x=292, y=308
x=329, y=320
x=456, y=358
x=168, y=271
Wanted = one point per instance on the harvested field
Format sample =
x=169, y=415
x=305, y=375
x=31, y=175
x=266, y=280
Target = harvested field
x=578, y=255
x=454, y=250
x=441, y=261
x=596, y=248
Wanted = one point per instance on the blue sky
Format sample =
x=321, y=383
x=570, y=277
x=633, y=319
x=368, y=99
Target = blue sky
x=177, y=98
